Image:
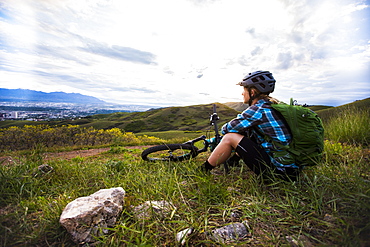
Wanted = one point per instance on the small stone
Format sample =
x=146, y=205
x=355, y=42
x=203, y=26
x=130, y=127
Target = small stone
x=230, y=233
x=45, y=168
x=151, y=208
x=181, y=236
x=301, y=240
x=235, y=215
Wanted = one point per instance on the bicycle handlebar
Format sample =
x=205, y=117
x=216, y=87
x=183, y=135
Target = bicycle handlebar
x=203, y=137
x=213, y=121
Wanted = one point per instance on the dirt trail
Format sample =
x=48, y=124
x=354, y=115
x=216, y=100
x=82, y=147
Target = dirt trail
x=75, y=153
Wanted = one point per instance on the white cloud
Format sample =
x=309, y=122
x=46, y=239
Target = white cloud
x=185, y=52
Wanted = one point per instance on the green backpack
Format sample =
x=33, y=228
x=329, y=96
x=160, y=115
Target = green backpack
x=307, y=130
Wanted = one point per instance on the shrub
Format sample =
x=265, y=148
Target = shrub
x=30, y=137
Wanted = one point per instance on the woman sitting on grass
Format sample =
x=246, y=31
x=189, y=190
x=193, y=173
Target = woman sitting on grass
x=240, y=133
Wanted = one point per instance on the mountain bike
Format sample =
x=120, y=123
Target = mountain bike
x=186, y=150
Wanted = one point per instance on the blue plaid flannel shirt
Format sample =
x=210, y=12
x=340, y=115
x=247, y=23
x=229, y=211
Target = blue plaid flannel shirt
x=261, y=116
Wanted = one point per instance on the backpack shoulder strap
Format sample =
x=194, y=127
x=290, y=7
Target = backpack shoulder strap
x=276, y=108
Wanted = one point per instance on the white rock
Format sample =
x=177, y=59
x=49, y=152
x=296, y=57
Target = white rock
x=181, y=236
x=89, y=216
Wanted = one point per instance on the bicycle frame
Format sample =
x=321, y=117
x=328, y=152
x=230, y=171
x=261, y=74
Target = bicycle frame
x=168, y=152
x=213, y=121
x=200, y=138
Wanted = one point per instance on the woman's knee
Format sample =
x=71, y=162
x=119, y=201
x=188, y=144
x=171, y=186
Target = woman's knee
x=232, y=139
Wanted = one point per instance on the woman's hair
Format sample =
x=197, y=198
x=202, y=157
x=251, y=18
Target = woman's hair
x=265, y=96
x=273, y=100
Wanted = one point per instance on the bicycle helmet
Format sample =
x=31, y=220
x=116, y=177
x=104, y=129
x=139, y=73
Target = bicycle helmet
x=263, y=81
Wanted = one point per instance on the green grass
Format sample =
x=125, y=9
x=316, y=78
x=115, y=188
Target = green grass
x=328, y=206
x=351, y=125
x=332, y=112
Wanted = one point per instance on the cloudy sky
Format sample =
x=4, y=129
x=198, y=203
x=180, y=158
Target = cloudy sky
x=185, y=52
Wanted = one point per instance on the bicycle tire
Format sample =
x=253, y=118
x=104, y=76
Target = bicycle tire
x=175, y=152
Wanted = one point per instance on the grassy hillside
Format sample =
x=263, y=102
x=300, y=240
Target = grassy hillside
x=348, y=123
x=238, y=106
x=329, y=113
x=317, y=108
x=192, y=118
x=164, y=119
x=188, y=118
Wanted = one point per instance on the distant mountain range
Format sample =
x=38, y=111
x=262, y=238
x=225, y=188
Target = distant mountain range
x=26, y=95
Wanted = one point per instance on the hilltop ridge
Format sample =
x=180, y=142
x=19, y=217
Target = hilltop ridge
x=185, y=118
x=194, y=118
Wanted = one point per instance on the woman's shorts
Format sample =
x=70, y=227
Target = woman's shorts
x=259, y=161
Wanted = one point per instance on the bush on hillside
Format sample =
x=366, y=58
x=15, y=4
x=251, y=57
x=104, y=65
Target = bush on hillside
x=30, y=137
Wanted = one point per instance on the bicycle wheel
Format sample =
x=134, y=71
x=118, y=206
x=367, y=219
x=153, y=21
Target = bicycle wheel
x=170, y=152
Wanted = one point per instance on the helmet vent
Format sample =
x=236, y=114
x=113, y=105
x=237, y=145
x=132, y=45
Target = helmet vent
x=258, y=78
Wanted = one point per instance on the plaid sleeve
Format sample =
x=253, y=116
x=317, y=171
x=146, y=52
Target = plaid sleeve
x=252, y=116
x=265, y=119
x=274, y=127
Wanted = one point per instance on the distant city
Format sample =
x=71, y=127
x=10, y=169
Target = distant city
x=24, y=104
x=48, y=111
